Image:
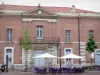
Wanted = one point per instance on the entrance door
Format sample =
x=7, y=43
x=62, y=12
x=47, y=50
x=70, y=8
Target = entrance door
x=9, y=53
x=68, y=51
x=39, y=62
x=97, y=59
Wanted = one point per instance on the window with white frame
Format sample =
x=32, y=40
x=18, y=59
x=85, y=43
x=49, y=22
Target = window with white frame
x=67, y=35
x=9, y=34
x=39, y=32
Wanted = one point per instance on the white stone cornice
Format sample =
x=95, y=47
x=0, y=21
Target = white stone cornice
x=12, y=11
x=61, y=14
x=97, y=42
x=31, y=19
x=77, y=42
x=9, y=41
x=60, y=42
x=70, y=14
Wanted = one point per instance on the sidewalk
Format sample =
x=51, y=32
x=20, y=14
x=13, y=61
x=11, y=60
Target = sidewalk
x=32, y=73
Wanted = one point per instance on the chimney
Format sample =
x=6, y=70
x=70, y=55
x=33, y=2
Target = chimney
x=73, y=8
x=39, y=5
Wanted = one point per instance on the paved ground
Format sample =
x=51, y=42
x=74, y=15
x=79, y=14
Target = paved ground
x=30, y=73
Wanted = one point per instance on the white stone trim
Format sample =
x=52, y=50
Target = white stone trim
x=29, y=54
x=72, y=42
x=82, y=47
x=82, y=43
x=62, y=14
x=71, y=14
x=13, y=11
x=9, y=41
x=97, y=42
x=2, y=41
x=82, y=53
x=12, y=54
x=62, y=42
x=95, y=53
x=82, y=50
x=31, y=19
x=19, y=66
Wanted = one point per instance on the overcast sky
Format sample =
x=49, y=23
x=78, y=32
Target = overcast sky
x=92, y=5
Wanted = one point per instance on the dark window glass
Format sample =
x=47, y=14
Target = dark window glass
x=39, y=32
x=8, y=51
x=67, y=35
x=9, y=34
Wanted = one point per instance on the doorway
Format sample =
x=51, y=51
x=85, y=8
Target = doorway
x=9, y=52
x=39, y=62
x=66, y=52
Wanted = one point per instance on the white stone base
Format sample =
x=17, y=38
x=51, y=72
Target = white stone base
x=20, y=66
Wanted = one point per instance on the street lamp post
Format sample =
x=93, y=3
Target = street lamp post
x=7, y=63
x=60, y=56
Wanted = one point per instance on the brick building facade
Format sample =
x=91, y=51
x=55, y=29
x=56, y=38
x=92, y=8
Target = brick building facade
x=56, y=30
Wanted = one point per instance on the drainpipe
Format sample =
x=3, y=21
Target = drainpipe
x=79, y=36
x=60, y=59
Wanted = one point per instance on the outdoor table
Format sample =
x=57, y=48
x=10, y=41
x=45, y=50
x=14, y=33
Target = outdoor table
x=40, y=70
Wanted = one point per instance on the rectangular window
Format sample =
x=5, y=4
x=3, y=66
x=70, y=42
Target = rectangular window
x=91, y=33
x=39, y=32
x=67, y=35
x=9, y=34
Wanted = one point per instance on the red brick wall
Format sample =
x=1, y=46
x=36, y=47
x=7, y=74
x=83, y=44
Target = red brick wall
x=49, y=30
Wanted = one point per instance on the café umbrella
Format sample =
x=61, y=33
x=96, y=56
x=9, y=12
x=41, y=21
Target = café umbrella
x=45, y=55
x=71, y=56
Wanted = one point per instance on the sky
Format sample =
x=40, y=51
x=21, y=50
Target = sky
x=92, y=5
